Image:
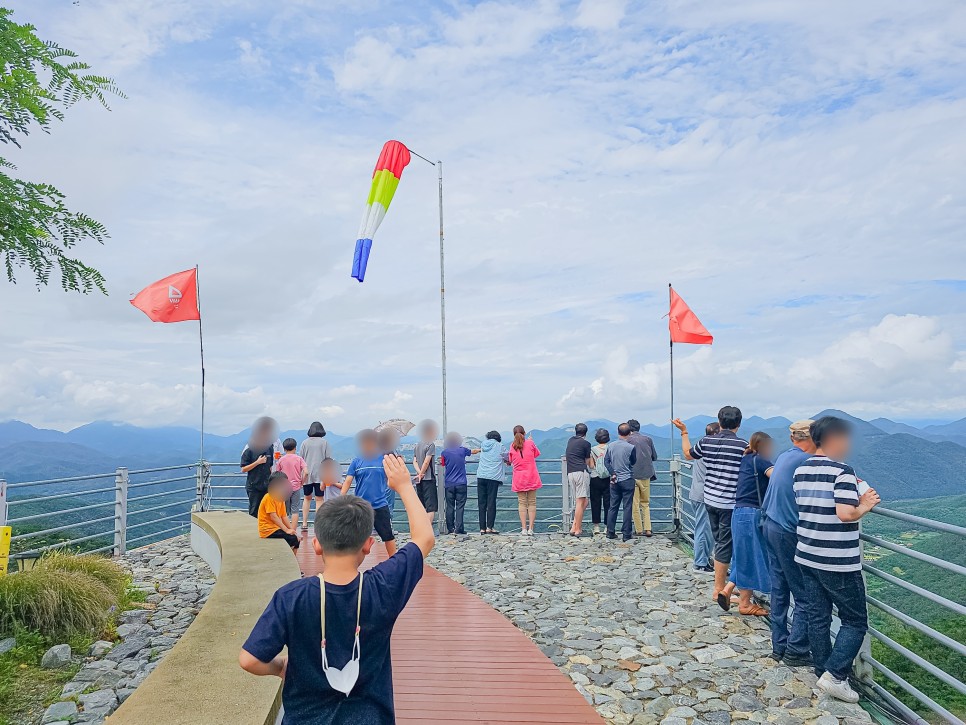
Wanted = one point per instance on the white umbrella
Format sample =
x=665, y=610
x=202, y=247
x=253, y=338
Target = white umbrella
x=399, y=425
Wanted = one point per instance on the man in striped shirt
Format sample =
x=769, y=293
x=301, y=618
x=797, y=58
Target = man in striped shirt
x=721, y=454
x=829, y=509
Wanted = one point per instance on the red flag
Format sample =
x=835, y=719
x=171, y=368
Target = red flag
x=172, y=299
x=685, y=325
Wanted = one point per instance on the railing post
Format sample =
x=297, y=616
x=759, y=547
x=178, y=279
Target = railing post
x=566, y=513
x=5, y=531
x=862, y=665
x=675, y=466
x=202, y=476
x=440, y=498
x=120, y=511
x=3, y=502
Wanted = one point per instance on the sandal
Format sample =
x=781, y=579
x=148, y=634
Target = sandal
x=724, y=597
x=754, y=611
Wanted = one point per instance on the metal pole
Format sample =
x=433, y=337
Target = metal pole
x=201, y=343
x=565, y=504
x=442, y=295
x=120, y=511
x=671, y=343
x=3, y=502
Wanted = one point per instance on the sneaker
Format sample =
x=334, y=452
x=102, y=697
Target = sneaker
x=777, y=656
x=530, y=533
x=793, y=660
x=706, y=569
x=839, y=689
x=596, y=529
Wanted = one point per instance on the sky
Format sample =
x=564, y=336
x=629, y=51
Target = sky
x=795, y=169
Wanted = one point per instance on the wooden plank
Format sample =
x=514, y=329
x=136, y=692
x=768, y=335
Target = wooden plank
x=472, y=668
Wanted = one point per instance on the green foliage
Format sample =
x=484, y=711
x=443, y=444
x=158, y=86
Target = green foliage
x=107, y=572
x=24, y=687
x=61, y=604
x=39, y=80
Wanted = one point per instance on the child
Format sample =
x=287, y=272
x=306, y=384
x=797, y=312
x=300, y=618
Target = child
x=454, y=459
x=272, y=521
x=829, y=554
x=366, y=470
x=331, y=483
x=314, y=689
x=293, y=466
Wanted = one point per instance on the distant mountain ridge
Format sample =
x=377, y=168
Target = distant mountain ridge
x=902, y=461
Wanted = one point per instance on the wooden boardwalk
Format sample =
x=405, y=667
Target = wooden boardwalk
x=455, y=659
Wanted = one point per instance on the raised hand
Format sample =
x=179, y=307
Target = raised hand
x=679, y=424
x=397, y=473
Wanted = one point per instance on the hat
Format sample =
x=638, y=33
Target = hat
x=801, y=426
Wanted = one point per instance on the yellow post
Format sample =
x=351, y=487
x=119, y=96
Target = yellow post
x=4, y=548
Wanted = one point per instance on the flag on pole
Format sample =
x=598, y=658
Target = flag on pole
x=172, y=299
x=685, y=325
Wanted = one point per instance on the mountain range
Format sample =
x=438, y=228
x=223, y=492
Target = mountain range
x=900, y=460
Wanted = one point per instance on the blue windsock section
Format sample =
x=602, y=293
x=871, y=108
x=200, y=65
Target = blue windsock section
x=361, y=258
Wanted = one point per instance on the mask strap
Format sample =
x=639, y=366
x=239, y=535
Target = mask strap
x=358, y=606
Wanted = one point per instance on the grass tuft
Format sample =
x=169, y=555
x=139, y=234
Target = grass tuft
x=62, y=604
x=108, y=572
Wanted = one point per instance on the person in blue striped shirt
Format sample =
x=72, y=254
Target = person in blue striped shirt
x=829, y=509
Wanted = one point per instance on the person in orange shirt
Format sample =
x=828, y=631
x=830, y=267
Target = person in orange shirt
x=272, y=520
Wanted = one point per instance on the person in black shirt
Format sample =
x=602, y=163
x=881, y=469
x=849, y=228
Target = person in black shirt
x=578, y=474
x=257, y=460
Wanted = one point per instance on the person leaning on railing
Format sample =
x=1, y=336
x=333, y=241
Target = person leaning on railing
x=829, y=509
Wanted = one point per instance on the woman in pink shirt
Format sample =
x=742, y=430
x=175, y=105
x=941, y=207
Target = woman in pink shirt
x=526, y=479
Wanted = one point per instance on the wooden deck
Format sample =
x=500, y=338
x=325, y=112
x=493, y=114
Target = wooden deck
x=455, y=659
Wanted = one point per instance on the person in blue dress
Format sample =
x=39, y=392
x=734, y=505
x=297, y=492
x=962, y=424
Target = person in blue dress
x=749, y=567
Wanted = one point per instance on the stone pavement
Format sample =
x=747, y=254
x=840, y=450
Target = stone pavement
x=635, y=629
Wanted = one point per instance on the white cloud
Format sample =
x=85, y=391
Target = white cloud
x=600, y=14
x=797, y=173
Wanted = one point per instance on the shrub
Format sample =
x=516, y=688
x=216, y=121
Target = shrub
x=61, y=604
x=108, y=572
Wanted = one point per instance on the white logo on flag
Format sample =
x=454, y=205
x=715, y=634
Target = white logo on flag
x=174, y=295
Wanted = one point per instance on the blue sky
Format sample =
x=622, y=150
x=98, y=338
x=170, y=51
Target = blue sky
x=795, y=169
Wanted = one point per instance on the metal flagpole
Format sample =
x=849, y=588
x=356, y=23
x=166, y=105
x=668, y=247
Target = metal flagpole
x=671, y=343
x=442, y=285
x=201, y=343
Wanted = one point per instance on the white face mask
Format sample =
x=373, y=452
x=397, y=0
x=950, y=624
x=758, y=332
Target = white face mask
x=345, y=679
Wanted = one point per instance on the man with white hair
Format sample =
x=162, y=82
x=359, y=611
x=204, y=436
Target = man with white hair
x=780, y=523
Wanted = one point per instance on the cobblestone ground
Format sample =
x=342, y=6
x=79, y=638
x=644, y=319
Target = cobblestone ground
x=176, y=583
x=636, y=631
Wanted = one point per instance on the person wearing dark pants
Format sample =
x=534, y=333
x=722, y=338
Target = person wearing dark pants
x=829, y=508
x=454, y=460
x=486, y=491
x=257, y=460
x=622, y=494
x=599, y=481
x=455, y=503
x=490, y=472
x=788, y=644
x=619, y=460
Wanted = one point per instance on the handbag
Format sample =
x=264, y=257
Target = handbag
x=761, y=511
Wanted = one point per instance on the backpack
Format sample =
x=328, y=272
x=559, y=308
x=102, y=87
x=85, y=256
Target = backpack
x=599, y=470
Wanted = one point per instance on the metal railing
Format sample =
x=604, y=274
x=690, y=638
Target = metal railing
x=125, y=509
x=871, y=673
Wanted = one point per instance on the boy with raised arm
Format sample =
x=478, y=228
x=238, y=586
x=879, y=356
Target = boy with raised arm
x=366, y=472
x=352, y=622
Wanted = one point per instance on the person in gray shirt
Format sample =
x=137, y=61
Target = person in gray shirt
x=643, y=475
x=703, y=540
x=619, y=460
x=424, y=461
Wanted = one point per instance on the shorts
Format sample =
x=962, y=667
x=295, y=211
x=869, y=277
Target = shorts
x=579, y=484
x=428, y=495
x=311, y=489
x=294, y=503
x=720, y=520
x=291, y=539
x=383, y=523
x=527, y=498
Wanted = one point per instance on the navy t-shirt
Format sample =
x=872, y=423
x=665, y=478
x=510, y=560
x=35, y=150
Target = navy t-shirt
x=292, y=619
x=747, y=493
x=455, y=461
